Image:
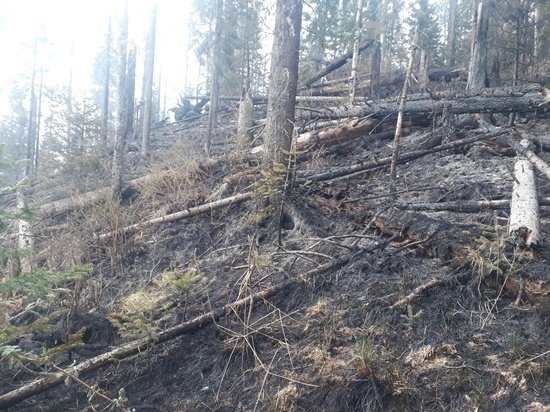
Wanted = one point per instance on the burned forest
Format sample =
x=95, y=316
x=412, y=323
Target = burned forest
x=354, y=224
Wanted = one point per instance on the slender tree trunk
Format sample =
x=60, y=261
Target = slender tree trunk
x=382, y=38
x=31, y=133
x=375, y=72
x=515, y=75
x=24, y=238
x=216, y=73
x=149, y=70
x=478, y=59
x=450, y=57
x=38, y=123
x=130, y=93
x=122, y=109
x=106, y=86
x=402, y=102
x=355, y=58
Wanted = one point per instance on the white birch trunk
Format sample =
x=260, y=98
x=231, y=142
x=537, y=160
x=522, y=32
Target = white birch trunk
x=524, y=224
x=24, y=238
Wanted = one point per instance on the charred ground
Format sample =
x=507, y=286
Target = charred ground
x=346, y=339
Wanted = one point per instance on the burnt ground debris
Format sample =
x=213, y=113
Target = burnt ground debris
x=335, y=341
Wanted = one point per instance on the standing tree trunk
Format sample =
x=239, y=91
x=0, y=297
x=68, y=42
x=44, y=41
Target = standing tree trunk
x=375, y=72
x=106, y=86
x=38, y=123
x=478, y=59
x=216, y=73
x=148, y=83
x=31, y=133
x=283, y=78
x=450, y=57
x=122, y=108
x=355, y=59
x=283, y=81
x=402, y=102
x=245, y=120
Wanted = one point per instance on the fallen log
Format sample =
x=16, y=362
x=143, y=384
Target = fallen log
x=524, y=225
x=193, y=211
x=476, y=104
x=335, y=65
x=540, y=164
x=304, y=177
x=142, y=345
x=463, y=206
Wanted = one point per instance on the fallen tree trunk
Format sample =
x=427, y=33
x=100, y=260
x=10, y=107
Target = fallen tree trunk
x=193, y=211
x=343, y=171
x=142, y=345
x=475, y=104
x=464, y=206
x=540, y=164
x=335, y=65
x=524, y=226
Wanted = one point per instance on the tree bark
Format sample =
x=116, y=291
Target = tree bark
x=529, y=102
x=355, y=57
x=478, y=60
x=107, y=86
x=524, y=224
x=149, y=70
x=401, y=110
x=122, y=107
x=283, y=82
x=216, y=74
x=245, y=121
x=450, y=57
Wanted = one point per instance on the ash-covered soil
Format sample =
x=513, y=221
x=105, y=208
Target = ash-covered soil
x=346, y=339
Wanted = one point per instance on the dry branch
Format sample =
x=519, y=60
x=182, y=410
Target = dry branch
x=416, y=292
x=193, y=211
x=142, y=345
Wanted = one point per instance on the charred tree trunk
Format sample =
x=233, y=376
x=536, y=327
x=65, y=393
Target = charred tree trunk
x=355, y=57
x=122, y=108
x=450, y=57
x=478, y=61
x=279, y=129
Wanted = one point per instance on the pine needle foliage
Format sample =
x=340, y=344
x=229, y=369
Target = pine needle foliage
x=41, y=283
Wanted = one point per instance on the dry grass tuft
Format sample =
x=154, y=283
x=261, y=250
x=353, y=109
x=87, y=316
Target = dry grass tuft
x=175, y=182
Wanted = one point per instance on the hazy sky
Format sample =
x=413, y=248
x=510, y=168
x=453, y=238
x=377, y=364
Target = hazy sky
x=75, y=31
